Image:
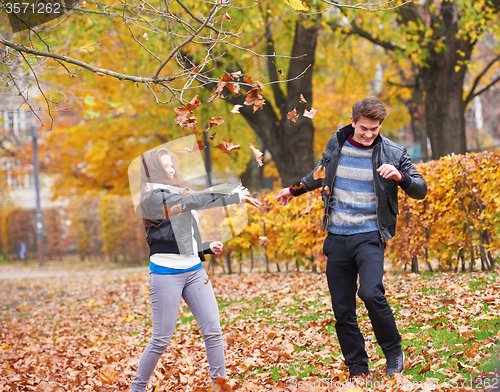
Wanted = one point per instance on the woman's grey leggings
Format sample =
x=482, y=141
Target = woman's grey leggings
x=166, y=292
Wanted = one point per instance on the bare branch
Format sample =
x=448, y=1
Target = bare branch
x=200, y=21
x=373, y=7
x=24, y=49
x=493, y=82
x=472, y=94
x=355, y=29
x=139, y=42
x=47, y=101
x=25, y=99
x=182, y=44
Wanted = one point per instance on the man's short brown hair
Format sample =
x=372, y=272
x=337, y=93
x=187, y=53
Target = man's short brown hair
x=370, y=107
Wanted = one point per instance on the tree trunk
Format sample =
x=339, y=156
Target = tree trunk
x=444, y=106
x=414, y=264
x=228, y=262
x=253, y=176
x=417, y=113
x=442, y=72
x=290, y=143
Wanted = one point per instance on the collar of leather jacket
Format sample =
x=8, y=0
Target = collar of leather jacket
x=344, y=132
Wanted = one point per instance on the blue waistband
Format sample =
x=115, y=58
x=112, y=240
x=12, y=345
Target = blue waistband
x=158, y=269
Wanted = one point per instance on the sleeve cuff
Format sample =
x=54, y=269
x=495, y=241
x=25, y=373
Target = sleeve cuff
x=405, y=182
x=297, y=189
x=234, y=198
x=207, y=248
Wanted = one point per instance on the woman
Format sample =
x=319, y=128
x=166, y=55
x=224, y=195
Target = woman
x=176, y=252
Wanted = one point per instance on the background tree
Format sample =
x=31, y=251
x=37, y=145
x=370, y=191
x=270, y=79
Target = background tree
x=439, y=38
x=118, y=42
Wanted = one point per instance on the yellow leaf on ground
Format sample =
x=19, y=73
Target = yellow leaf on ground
x=129, y=318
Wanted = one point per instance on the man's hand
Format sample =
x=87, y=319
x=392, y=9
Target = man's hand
x=390, y=172
x=216, y=247
x=284, y=196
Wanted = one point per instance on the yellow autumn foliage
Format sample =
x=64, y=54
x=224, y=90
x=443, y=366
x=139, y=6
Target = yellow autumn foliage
x=458, y=220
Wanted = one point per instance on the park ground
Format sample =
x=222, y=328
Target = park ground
x=75, y=328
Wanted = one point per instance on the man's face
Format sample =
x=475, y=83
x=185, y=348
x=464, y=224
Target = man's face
x=365, y=130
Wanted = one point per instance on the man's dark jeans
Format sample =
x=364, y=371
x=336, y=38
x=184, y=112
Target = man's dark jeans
x=349, y=256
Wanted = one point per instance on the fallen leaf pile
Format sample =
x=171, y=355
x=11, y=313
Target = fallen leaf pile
x=85, y=331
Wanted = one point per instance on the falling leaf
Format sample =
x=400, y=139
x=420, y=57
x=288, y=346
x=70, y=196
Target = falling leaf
x=326, y=190
x=258, y=155
x=145, y=36
x=211, y=97
x=302, y=99
x=293, y=116
x=84, y=4
x=184, y=119
x=226, y=16
x=194, y=103
x=319, y=173
x=226, y=147
x=186, y=150
x=215, y=121
x=236, y=75
x=310, y=113
x=309, y=206
x=198, y=145
x=263, y=241
x=213, y=136
x=209, y=275
x=255, y=99
x=236, y=108
x=183, y=116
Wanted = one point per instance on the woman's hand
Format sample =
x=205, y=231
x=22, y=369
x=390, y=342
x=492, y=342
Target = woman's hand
x=216, y=247
x=251, y=201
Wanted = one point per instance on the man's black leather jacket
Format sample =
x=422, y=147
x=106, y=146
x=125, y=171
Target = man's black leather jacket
x=386, y=191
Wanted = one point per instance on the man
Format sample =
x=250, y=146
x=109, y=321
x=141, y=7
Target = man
x=359, y=173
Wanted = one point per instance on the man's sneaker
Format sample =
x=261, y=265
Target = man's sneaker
x=359, y=370
x=395, y=365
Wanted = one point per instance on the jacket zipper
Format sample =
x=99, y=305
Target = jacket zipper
x=327, y=213
x=376, y=196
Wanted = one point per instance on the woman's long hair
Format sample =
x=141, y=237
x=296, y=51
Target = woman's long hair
x=152, y=171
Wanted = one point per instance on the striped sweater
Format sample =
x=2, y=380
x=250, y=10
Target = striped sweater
x=353, y=205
